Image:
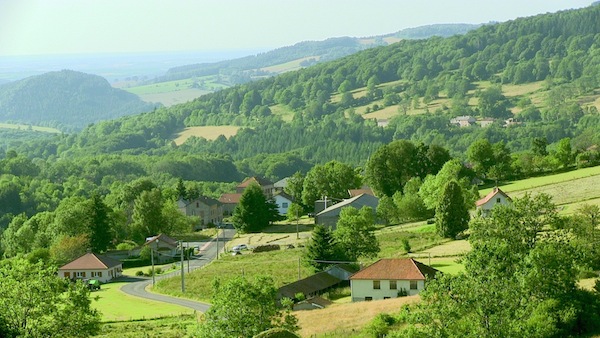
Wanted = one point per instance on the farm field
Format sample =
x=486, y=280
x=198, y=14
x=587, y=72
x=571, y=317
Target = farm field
x=289, y=66
x=207, y=132
x=29, y=127
x=569, y=190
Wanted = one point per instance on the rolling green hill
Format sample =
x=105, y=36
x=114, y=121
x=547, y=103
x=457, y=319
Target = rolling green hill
x=66, y=100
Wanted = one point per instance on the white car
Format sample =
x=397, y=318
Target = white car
x=239, y=247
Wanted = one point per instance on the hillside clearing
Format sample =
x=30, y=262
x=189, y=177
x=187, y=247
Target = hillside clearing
x=26, y=127
x=207, y=132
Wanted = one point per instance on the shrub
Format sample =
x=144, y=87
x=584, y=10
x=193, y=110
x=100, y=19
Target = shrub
x=266, y=247
x=380, y=325
x=402, y=292
x=139, y=273
x=406, y=244
x=125, y=246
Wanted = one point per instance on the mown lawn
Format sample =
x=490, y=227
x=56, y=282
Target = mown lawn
x=116, y=305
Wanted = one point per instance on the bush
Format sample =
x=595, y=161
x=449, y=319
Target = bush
x=402, y=292
x=139, y=273
x=266, y=247
x=406, y=244
x=380, y=325
x=125, y=246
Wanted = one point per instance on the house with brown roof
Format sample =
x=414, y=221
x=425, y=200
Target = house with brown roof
x=389, y=278
x=496, y=196
x=92, y=266
x=208, y=210
x=164, y=247
x=267, y=186
x=229, y=202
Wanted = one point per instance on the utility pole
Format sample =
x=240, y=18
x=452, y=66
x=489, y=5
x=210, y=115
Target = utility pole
x=217, y=257
x=152, y=260
x=182, y=280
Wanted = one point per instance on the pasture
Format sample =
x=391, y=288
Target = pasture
x=207, y=132
x=27, y=127
x=289, y=66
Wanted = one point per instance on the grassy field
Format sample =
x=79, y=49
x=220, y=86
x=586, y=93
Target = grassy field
x=164, y=327
x=207, y=132
x=569, y=190
x=289, y=66
x=174, y=92
x=115, y=305
x=29, y=127
x=346, y=320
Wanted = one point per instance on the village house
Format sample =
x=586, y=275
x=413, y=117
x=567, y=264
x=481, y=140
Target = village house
x=229, y=202
x=390, y=278
x=92, y=266
x=496, y=196
x=283, y=202
x=463, y=121
x=330, y=215
x=164, y=247
x=267, y=186
x=210, y=211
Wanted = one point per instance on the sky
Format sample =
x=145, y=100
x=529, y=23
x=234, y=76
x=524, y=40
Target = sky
x=42, y=27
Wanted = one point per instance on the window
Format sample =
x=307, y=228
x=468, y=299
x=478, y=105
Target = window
x=80, y=274
x=413, y=285
x=376, y=285
x=498, y=200
x=99, y=274
x=368, y=299
x=284, y=204
x=393, y=285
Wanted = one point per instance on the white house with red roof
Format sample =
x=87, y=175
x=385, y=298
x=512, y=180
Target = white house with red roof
x=389, y=278
x=92, y=266
x=496, y=196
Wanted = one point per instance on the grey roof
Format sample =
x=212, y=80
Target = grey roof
x=360, y=200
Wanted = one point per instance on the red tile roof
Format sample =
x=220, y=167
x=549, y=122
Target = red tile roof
x=396, y=269
x=260, y=181
x=91, y=261
x=230, y=198
x=491, y=195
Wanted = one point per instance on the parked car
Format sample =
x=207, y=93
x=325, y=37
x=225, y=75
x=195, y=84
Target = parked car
x=239, y=248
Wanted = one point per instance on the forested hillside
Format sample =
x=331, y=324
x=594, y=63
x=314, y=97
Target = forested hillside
x=66, y=100
x=319, y=113
x=242, y=69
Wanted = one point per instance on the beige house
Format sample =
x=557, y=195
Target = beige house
x=92, y=266
x=389, y=278
x=229, y=202
x=496, y=196
x=207, y=209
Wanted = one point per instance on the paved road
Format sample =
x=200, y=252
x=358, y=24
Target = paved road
x=208, y=251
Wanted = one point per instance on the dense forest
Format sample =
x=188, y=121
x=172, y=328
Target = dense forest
x=66, y=100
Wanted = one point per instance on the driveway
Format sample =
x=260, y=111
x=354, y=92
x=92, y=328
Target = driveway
x=208, y=251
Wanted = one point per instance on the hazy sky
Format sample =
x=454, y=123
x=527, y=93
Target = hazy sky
x=90, y=26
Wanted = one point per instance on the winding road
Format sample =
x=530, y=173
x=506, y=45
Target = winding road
x=208, y=251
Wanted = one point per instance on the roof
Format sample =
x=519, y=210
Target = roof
x=363, y=190
x=202, y=199
x=259, y=180
x=396, y=269
x=230, y=198
x=91, y=261
x=349, y=202
x=163, y=239
x=309, y=285
x=491, y=195
x=282, y=183
x=284, y=195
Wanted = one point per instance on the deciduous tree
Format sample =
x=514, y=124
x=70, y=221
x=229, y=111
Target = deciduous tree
x=451, y=213
x=354, y=234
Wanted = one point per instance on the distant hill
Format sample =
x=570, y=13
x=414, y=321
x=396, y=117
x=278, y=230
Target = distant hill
x=66, y=100
x=244, y=69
